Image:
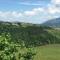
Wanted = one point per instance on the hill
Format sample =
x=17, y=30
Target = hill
x=53, y=22
x=30, y=34
x=21, y=41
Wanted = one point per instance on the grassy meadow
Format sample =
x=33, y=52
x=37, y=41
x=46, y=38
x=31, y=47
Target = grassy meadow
x=48, y=52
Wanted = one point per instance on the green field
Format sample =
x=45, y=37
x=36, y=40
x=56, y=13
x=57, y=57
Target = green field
x=48, y=52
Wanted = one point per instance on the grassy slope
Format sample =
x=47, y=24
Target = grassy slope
x=48, y=52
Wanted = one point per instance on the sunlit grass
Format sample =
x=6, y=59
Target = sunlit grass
x=48, y=52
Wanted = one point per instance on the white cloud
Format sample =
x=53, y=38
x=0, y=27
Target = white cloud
x=34, y=12
x=53, y=10
x=16, y=14
x=55, y=1
x=54, y=7
x=10, y=16
x=29, y=13
x=38, y=9
x=27, y=3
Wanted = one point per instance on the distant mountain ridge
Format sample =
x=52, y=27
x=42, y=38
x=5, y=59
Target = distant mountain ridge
x=53, y=23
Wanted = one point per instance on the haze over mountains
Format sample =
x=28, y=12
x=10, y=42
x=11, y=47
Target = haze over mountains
x=53, y=23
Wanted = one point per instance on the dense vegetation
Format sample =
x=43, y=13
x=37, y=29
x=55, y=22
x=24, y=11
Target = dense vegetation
x=16, y=37
x=30, y=35
x=13, y=51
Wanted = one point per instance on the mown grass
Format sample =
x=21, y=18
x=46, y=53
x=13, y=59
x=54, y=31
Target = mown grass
x=48, y=52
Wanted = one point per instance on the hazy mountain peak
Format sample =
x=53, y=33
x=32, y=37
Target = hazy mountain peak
x=53, y=22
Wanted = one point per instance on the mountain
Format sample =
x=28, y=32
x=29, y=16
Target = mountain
x=53, y=22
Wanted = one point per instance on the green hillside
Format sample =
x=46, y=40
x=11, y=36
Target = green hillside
x=52, y=22
x=20, y=41
x=31, y=35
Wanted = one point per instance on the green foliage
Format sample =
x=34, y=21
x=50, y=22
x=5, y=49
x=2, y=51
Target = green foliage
x=9, y=49
x=28, y=55
x=17, y=40
x=28, y=35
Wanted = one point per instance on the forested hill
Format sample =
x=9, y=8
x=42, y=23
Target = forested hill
x=30, y=34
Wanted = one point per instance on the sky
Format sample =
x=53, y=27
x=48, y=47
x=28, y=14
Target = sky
x=30, y=11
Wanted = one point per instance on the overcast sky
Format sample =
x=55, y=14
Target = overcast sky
x=33, y=11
